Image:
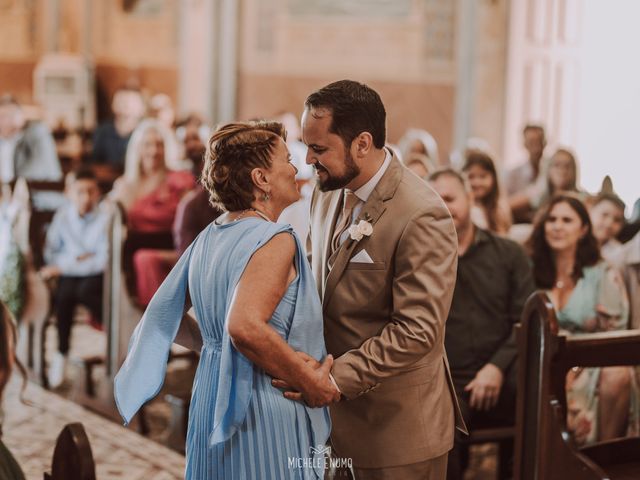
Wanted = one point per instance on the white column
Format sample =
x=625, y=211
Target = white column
x=227, y=61
x=466, y=35
x=197, y=57
x=207, y=78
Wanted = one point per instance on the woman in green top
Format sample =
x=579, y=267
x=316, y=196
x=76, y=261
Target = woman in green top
x=589, y=296
x=9, y=469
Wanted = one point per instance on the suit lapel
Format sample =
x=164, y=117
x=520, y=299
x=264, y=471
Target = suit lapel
x=371, y=212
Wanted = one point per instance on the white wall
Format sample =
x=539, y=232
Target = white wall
x=609, y=116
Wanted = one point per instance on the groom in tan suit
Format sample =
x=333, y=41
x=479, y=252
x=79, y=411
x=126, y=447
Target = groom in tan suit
x=384, y=252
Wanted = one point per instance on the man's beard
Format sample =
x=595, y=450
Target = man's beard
x=333, y=182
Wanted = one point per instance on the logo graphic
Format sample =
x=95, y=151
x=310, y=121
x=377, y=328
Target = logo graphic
x=320, y=449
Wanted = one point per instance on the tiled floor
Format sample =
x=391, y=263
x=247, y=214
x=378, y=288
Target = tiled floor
x=30, y=432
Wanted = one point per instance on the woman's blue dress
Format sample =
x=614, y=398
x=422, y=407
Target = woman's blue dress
x=240, y=426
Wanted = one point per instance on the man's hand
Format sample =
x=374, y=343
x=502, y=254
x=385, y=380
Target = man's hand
x=320, y=391
x=49, y=271
x=312, y=362
x=485, y=387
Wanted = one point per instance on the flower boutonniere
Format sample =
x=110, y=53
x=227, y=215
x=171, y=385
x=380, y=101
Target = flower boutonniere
x=362, y=229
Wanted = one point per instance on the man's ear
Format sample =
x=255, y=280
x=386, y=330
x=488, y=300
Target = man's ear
x=363, y=144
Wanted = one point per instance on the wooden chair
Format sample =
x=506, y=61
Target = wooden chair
x=72, y=457
x=544, y=447
x=503, y=437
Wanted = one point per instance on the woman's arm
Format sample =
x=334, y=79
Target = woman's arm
x=259, y=291
x=189, y=335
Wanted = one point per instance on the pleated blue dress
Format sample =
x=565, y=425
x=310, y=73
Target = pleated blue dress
x=240, y=426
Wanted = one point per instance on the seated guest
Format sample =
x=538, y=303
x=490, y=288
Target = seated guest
x=150, y=190
x=494, y=281
x=607, y=218
x=490, y=211
x=76, y=252
x=419, y=164
x=27, y=149
x=525, y=175
x=561, y=176
x=193, y=214
x=111, y=138
x=589, y=296
x=627, y=259
x=9, y=468
x=420, y=141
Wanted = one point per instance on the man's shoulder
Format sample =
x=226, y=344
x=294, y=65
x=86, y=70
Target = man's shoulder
x=416, y=196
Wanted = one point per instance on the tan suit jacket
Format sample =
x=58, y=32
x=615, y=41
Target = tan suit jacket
x=384, y=322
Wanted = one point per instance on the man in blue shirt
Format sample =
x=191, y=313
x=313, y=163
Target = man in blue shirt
x=76, y=253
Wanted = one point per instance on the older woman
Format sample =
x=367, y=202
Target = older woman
x=589, y=296
x=255, y=307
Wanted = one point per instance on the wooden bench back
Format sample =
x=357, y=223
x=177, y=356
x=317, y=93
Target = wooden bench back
x=544, y=448
x=72, y=457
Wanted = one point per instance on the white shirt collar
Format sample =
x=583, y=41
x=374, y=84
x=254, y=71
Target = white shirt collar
x=365, y=191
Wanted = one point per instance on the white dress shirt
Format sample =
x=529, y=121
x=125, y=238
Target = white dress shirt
x=364, y=192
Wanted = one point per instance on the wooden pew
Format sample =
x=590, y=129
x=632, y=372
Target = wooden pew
x=72, y=457
x=544, y=447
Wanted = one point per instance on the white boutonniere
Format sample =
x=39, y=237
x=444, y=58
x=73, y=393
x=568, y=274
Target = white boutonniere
x=362, y=229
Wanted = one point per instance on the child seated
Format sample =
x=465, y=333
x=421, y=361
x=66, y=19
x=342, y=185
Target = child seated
x=76, y=252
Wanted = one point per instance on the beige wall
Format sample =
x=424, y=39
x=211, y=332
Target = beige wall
x=407, y=53
x=125, y=46
x=490, y=74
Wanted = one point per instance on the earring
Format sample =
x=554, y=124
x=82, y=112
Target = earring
x=266, y=197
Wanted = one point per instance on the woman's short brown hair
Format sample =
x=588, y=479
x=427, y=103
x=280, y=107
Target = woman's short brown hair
x=234, y=150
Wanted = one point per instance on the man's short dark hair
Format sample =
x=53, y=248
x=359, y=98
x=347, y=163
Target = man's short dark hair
x=84, y=173
x=532, y=127
x=354, y=107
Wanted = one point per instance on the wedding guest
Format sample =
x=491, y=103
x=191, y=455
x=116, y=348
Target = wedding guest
x=111, y=138
x=150, y=190
x=561, y=176
x=627, y=259
x=490, y=210
x=607, y=218
x=523, y=176
x=193, y=214
x=257, y=308
x=416, y=140
x=76, y=254
x=589, y=296
x=494, y=281
x=9, y=468
x=419, y=164
x=27, y=148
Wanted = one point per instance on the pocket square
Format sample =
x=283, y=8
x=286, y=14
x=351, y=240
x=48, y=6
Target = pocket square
x=361, y=257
